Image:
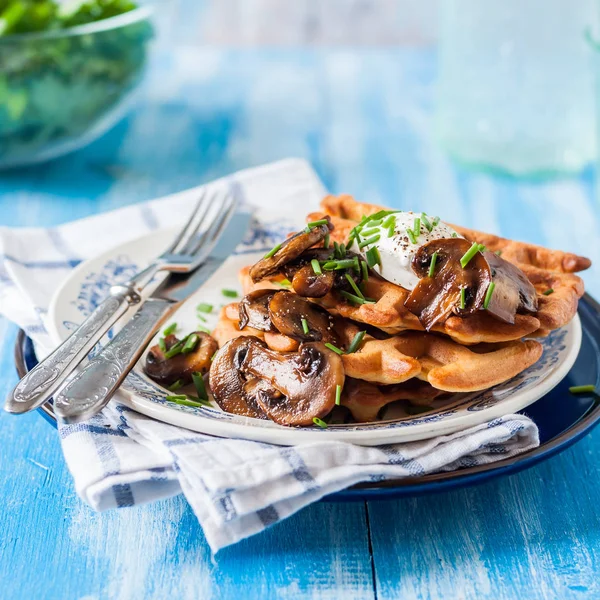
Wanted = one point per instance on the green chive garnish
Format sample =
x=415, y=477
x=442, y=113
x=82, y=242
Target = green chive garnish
x=170, y=329
x=336, y=250
x=373, y=257
x=369, y=241
x=205, y=308
x=488, y=295
x=435, y=221
x=432, y=265
x=229, y=293
x=411, y=236
x=320, y=423
x=462, y=297
x=426, y=222
x=369, y=232
x=175, y=386
x=390, y=219
x=548, y=292
x=326, y=242
x=187, y=401
x=364, y=270
x=392, y=227
x=342, y=248
x=499, y=252
x=334, y=348
x=338, y=394
x=314, y=224
x=201, y=318
x=199, y=385
x=190, y=343
x=582, y=389
x=174, y=397
x=305, y=326
x=272, y=251
x=174, y=351
x=356, y=299
x=374, y=222
x=316, y=266
x=337, y=265
x=162, y=345
x=285, y=283
x=455, y=235
x=354, y=286
x=469, y=254
x=350, y=243
x=356, y=342
x=417, y=227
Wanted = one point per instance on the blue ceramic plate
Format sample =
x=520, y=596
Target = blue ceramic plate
x=561, y=417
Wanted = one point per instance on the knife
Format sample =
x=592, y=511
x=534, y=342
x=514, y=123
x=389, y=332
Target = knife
x=88, y=392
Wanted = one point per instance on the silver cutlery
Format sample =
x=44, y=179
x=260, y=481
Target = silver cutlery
x=89, y=391
x=188, y=250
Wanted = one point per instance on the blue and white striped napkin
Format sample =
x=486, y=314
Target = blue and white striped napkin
x=235, y=487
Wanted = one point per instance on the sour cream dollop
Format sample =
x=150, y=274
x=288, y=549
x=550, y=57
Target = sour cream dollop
x=397, y=251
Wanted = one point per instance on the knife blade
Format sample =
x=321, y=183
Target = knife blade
x=88, y=392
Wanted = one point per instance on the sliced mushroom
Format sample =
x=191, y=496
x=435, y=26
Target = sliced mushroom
x=513, y=292
x=167, y=371
x=229, y=384
x=306, y=380
x=290, y=249
x=435, y=298
x=254, y=310
x=287, y=310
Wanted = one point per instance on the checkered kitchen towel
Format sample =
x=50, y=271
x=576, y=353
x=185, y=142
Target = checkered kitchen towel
x=235, y=487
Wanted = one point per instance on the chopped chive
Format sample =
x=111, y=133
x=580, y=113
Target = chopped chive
x=426, y=222
x=162, y=345
x=488, y=295
x=326, y=242
x=462, y=297
x=229, y=293
x=213, y=356
x=342, y=248
x=334, y=348
x=170, y=329
x=369, y=241
x=356, y=265
x=499, y=252
x=435, y=221
x=272, y=251
x=188, y=402
x=392, y=227
x=305, y=326
x=338, y=394
x=469, y=254
x=356, y=342
x=336, y=250
x=190, y=344
x=373, y=257
x=316, y=266
x=176, y=385
x=364, y=270
x=350, y=243
x=313, y=224
x=356, y=299
x=201, y=318
x=548, y=292
x=390, y=219
x=582, y=389
x=369, y=232
x=374, y=222
x=174, y=397
x=205, y=308
x=284, y=283
x=354, y=286
x=417, y=227
x=454, y=234
x=337, y=265
x=411, y=236
x=432, y=265
x=199, y=385
x=174, y=351
x=482, y=248
x=320, y=423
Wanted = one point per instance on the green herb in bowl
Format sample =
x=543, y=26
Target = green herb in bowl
x=67, y=72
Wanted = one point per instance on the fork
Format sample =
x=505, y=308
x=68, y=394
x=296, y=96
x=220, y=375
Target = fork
x=188, y=250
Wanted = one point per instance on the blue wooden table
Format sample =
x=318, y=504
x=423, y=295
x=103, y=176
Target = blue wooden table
x=363, y=118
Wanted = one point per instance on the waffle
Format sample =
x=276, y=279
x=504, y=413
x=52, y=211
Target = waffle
x=546, y=269
x=443, y=363
x=365, y=400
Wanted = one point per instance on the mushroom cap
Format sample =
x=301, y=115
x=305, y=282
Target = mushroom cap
x=167, y=371
x=290, y=249
x=287, y=310
x=435, y=298
x=306, y=381
x=254, y=310
x=228, y=383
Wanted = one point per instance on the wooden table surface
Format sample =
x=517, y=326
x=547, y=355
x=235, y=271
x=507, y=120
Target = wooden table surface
x=363, y=119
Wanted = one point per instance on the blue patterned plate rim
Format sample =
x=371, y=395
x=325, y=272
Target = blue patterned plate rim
x=563, y=419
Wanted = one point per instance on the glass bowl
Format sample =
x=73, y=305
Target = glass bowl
x=60, y=90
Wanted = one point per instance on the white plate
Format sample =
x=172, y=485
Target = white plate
x=89, y=283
